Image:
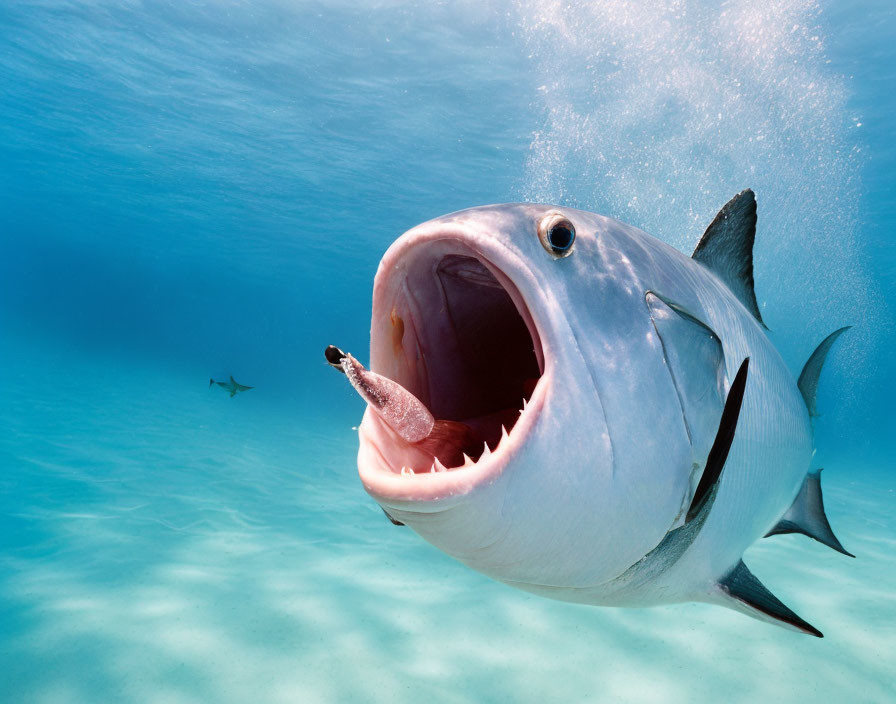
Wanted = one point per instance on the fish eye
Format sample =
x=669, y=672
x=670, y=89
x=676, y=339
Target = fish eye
x=557, y=234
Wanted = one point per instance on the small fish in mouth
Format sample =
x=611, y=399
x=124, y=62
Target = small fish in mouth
x=450, y=443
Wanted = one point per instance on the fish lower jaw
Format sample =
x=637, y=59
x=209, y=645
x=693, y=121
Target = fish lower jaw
x=396, y=474
x=468, y=461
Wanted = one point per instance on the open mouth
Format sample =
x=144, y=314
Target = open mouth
x=451, y=328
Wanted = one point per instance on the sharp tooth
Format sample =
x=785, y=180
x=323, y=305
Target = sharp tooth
x=432, y=469
x=468, y=462
x=485, y=451
x=439, y=466
x=406, y=471
x=525, y=403
x=503, y=433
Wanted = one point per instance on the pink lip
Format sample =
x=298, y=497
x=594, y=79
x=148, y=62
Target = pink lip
x=410, y=261
x=399, y=490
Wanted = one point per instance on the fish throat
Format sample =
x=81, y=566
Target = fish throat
x=451, y=330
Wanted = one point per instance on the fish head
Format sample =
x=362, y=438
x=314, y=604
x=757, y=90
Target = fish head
x=518, y=323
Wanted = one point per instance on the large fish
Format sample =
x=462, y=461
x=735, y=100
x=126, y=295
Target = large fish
x=574, y=408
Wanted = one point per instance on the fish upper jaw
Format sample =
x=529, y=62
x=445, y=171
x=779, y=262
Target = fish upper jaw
x=458, y=320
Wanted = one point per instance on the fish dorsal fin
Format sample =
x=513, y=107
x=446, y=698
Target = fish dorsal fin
x=742, y=591
x=232, y=380
x=808, y=381
x=806, y=515
x=726, y=248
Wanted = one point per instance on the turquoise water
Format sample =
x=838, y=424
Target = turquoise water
x=196, y=189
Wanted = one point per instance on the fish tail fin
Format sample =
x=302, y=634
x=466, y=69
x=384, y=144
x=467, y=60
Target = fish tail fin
x=808, y=381
x=806, y=515
x=210, y=382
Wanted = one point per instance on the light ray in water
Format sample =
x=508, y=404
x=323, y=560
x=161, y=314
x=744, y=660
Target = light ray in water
x=654, y=113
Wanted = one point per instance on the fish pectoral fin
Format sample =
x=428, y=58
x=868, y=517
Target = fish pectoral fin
x=718, y=453
x=394, y=521
x=695, y=361
x=726, y=248
x=806, y=515
x=740, y=590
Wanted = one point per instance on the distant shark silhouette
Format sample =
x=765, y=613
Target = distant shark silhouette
x=233, y=386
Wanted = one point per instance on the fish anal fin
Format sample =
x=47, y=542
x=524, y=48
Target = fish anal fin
x=806, y=515
x=808, y=381
x=726, y=248
x=741, y=590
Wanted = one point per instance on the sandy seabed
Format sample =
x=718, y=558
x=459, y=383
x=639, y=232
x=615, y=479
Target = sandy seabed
x=160, y=542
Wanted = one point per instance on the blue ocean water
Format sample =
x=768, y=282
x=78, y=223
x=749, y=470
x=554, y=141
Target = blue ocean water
x=204, y=188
